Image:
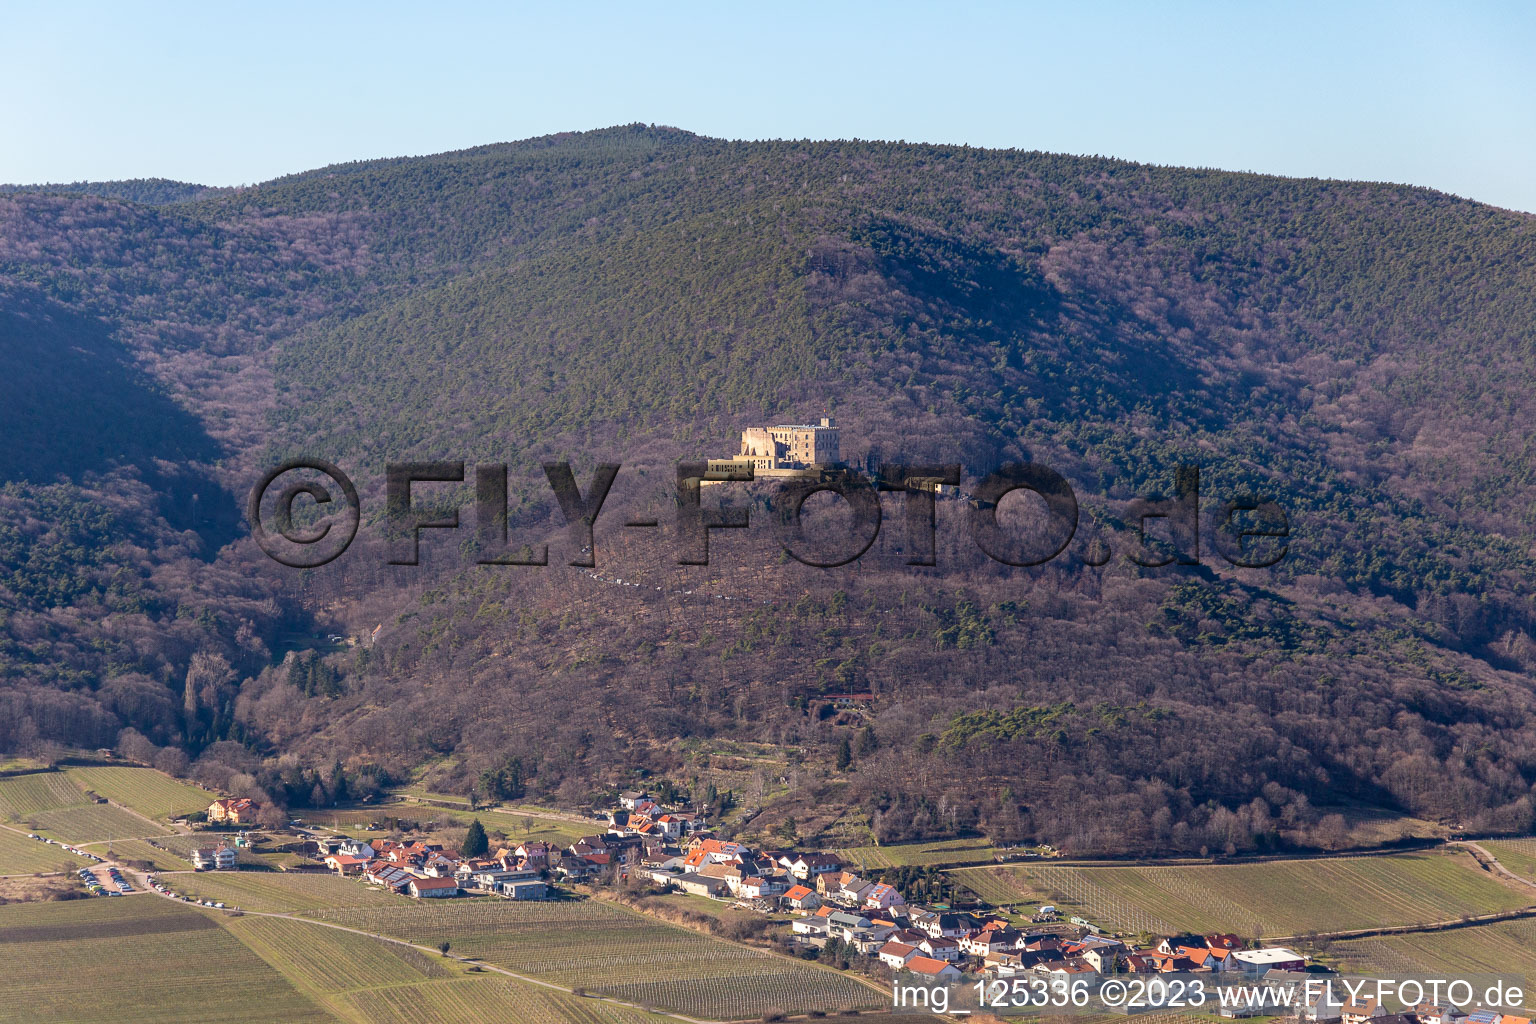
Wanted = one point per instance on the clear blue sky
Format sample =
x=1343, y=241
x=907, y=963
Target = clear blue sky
x=1442, y=95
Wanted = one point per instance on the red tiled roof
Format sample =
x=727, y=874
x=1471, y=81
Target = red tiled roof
x=434, y=883
x=926, y=965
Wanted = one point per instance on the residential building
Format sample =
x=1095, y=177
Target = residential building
x=235, y=811
x=213, y=858
x=802, y=897
x=345, y=865
x=432, y=888
x=1258, y=961
x=934, y=970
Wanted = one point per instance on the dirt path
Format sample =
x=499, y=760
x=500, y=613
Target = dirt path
x=1488, y=860
x=464, y=960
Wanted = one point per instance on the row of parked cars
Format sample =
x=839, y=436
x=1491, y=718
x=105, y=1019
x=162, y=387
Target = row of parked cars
x=166, y=891
x=66, y=847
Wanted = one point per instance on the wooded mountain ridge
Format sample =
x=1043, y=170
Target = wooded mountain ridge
x=1359, y=352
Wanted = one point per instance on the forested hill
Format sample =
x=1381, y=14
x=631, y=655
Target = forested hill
x=1360, y=352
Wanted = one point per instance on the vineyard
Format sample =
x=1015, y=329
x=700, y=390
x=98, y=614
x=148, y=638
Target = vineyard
x=368, y=980
x=1000, y=886
x=324, y=959
x=1506, y=948
x=945, y=852
x=747, y=995
x=142, y=851
x=485, y=1000
x=520, y=828
x=1276, y=898
x=1518, y=855
x=22, y=856
x=517, y=826
x=281, y=892
x=151, y=793
x=138, y=960
x=93, y=822
x=609, y=949
x=24, y=795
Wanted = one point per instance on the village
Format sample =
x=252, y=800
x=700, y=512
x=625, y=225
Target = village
x=829, y=906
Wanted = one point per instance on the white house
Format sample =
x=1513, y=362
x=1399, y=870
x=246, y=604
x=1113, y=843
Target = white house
x=432, y=888
x=213, y=858
x=935, y=970
x=807, y=866
x=940, y=947
x=802, y=897
x=882, y=896
x=1271, y=958
x=357, y=848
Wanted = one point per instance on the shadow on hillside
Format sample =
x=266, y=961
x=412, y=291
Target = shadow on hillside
x=72, y=402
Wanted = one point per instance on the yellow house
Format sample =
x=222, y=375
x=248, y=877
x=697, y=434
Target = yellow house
x=235, y=811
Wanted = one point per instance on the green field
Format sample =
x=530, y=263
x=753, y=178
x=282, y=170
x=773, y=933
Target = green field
x=416, y=792
x=367, y=980
x=1504, y=948
x=146, y=960
x=141, y=850
x=279, y=891
x=93, y=823
x=1518, y=855
x=151, y=793
x=1276, y=898
x=610, y=949
x=486, y=999
x=136, y=960
x=518, y=826
x=22, y=856
x=23, y=795
x=948, y=851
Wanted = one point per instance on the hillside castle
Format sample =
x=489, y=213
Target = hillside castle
x=788, y=449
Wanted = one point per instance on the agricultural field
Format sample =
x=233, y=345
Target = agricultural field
x=948, y=851
x=280, y=892
x=321, y=959
x=142, y=850
x=1518, y=855
x=151, y=793
x=22, y=856
x=421, y=793
x=93, y=822
x=1002, y=886
x=615, y=951
x=24, y=795
x=1274, y=899
x=368, y=980
x=523, y=827
x=136, y=960
x=1505, y=948
x=519, y=826
x=355, y=818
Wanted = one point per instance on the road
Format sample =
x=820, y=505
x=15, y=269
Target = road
x=492, y=968
x=1488, y=860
